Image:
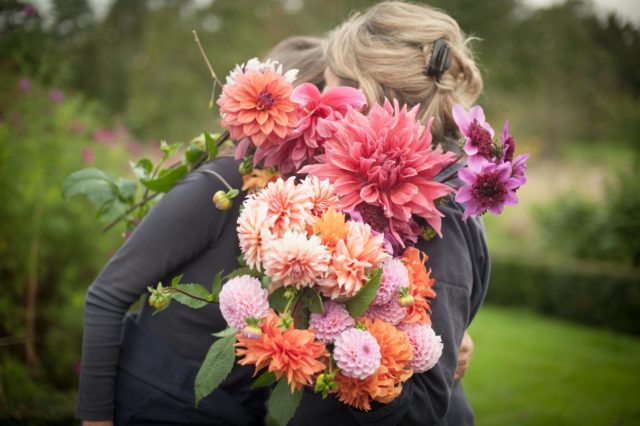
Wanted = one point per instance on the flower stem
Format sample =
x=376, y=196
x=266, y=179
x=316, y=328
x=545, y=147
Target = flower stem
x=216, y=174
x=204, y=55
x=190, y=295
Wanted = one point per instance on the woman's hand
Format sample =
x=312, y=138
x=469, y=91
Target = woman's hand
x=464, y=356
x=97, y=423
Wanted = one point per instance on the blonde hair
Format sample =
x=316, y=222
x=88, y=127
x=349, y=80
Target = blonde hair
x=307, y=54
x=385, y=51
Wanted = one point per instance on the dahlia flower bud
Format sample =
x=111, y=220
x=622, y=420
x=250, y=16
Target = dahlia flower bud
x=222, y=200
x=406, y=299
x=159, y=298
x=357, y=353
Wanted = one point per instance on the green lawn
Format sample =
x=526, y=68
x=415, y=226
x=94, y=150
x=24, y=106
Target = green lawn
x=532, y=370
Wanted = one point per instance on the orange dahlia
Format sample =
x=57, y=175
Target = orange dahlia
x=420, y=286
x=330, y=227
x=258, y=107
x=385, y=384
x=292, y=353
x=259, y=178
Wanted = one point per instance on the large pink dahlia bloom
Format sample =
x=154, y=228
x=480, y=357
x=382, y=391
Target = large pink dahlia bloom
x=357, y=353
x=385, y=160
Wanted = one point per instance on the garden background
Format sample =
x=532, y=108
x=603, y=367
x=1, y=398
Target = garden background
x=558, y=340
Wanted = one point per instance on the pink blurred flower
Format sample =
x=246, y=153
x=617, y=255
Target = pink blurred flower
x=319, y=111
x=332, y=322
x=243, y=298
x=385, y=160
x=295, y=260
x=357, y=353
x=77, y=127
x=394, y=277
x=258, y=107
x=56, y=96
x=134, y=147
x=104, y=136
x=427, y=346
x=488, y=186
x=88, y=156
x=24, y=85
x=30, y=11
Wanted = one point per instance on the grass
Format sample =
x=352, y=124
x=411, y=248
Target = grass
x=532, y=370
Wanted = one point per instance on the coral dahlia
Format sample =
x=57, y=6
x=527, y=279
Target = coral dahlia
x=420, y=286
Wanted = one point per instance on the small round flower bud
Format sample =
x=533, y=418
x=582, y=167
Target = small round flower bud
x=428, y=233
x=158, y=298
x=406, y=299
x=222, y=201
x=252, y=331
x=246, y=167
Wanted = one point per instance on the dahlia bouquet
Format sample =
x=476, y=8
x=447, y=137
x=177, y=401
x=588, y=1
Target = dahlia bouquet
x=331, y=293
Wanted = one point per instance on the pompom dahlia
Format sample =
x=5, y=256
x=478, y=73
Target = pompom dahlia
x=394, y=277
x=319, y=112
x=488, y=186
x=243, y=298
x=420, y=286
x=295, y=260
x=353, y=258
x=294, y=354
x=332, y=322
x=427, y=346
x=391, y=312
x=385, y=160
x=258, y=107
x=357, y=353
x=385, y=384
x=288, y=203
x=253, y=233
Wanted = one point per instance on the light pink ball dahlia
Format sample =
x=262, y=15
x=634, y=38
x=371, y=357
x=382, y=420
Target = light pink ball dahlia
x=391, y=312
x=295, y=260
x=394, y=277
x=243, y=298
x=332, y=322
x=357, y=353
x=427, y=346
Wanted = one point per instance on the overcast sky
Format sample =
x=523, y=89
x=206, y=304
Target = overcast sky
x=627, y=9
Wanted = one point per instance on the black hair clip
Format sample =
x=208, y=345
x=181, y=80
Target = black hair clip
x=440, y=59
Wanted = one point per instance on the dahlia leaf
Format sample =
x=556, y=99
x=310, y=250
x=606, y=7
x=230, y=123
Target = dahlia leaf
x=143, y=168
x=243, y=271
x=193, y=295
x=315, y=302
x=216, y=367
x=176, y=280
x=359, y=303
x=266, y=379
x=212, y=146
x=277, y=300
x=216, y=287
x=169, y=149
x=229, y=331
x=167, y=179
x=283, y=404
x=98, y=186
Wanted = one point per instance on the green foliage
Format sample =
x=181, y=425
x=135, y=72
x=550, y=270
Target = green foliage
x=266, y=379
x=194, y=295
x=359, y=303
x=283, y=403
x=216, y=367
x=582, y=293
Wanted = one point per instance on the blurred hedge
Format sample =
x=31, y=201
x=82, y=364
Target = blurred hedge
x=578, y=292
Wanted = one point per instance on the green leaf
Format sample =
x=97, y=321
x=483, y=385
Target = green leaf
x=216, y=287
x=277, y=300
x=111, y=210
x=195, y=290
x=216, y=367
x=243, y=271
x=127, y=190
x=301, y=317
x=283, y=404
x=169, y=150
x=142, y=168
x=266, y=281
x=315, y=302
x=359, y=303
x=233, y=193
x=266, y=379
x=167, y=178
x=211, y=144
x=98, y=186
x=241, y=261
x=176, y=280
x=229, y=331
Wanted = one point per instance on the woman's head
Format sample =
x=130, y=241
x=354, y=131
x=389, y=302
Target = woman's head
x=305, y=54
x=385, y=51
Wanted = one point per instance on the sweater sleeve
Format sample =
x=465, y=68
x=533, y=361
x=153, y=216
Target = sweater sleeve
x=460, y=266
x=178, y=228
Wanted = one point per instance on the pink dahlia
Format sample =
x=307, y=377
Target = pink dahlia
x=258, y=107
x=319, y=112
x=391, y=312
x=332, y=322
x=427, y=346
x=254, y=65
x=323, y=196
x=385, y=160
x=295, y=260
x=518, y=164
x=488, y=186
x=357, y=353
x=288, y=204
x=354, y=257
x=254, y=233
x=477, y=133
x=394, y=277
x=241, y=299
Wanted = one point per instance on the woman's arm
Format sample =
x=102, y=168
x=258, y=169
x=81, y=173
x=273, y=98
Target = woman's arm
x=176, y=230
